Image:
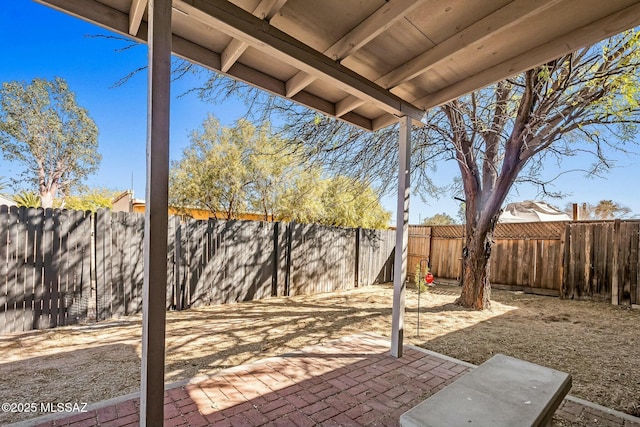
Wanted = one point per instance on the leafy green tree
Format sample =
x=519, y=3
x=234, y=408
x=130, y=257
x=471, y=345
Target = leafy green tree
x=303, y=201
x=27, y=199
x=603, y=210
x=3, y=186
x=584, y=102
x=232, y=170
x=90, y=200
x=247, y=168
x=608, y=209
x=439, y=219
x=348, y=203
x=43, y=128
x=337, y=201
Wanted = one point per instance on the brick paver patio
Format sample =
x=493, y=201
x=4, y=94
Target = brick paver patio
x=349, y=382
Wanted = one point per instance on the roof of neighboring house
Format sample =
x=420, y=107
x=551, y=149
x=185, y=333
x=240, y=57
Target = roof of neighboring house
x=532, y=211
x=6, y=201
x=126, y=193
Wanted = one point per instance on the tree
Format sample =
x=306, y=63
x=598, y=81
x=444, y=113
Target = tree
x=608, y=209
x=583, y=102
x=27, y=199
x=247, y=168
x=348, y=203
x=3, y=185
x=232, y=170
x=90, y=200
x=43, y=128
x=498, y=132
x=605, y=209
x=439, y=219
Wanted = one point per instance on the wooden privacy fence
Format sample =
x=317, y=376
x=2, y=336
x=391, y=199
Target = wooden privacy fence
x=45, y=259
x=601, y=259
x=49, y=260
x=597, y=260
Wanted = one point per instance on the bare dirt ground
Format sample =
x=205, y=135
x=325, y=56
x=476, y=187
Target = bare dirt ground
x=597, y=343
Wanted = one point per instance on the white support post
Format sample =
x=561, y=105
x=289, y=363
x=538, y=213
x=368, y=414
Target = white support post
x=402, y=238
x=156, y=215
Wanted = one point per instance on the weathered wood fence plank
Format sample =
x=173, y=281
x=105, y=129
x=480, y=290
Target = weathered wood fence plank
x=44, y=276
x=46, y=266
x=593, y=260
x=45, y=262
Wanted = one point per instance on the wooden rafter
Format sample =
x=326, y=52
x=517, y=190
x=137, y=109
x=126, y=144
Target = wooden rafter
x=572, y=41
x=319, y=79
x=243, y=26
x=377, y=23
x=349, y=103
x=505, y=18
x=266, y=9
x=135, y=15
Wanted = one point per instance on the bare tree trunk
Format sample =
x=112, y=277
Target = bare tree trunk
x=46, y=199
x=476, y=288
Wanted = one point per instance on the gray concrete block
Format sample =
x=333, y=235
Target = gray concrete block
x=502, y=392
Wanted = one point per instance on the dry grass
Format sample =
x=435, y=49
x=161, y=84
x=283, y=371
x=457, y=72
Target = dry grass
x=597, y=343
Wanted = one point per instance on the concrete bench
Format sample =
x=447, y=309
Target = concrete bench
x=503, y=391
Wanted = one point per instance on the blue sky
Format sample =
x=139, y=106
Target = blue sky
x=41, y=42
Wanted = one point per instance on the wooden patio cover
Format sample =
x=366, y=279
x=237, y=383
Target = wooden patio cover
x=371, y=63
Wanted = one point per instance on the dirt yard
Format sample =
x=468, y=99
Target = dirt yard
x=597, y=343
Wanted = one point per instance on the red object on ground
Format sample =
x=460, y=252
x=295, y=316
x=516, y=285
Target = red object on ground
x=429, y=278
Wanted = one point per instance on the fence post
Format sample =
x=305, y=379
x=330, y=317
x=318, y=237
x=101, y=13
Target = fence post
x=276, y=259
x=287, y=277
x=357, y=263
x=4, y=270
x=566, y=264
x=92, y=312
x=615, y=292
x=177, y=265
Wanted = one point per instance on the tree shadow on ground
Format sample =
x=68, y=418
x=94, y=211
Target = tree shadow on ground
x=55, y=378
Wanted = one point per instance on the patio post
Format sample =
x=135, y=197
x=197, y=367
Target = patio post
x=156, y=215
x=402, y=237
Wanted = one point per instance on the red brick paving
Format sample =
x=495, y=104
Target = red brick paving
x=350, y=382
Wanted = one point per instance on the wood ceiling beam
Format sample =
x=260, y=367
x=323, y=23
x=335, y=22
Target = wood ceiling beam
x=114, y=20
x=387, y=120
x=93, y=11
x=374, y=25
x=135, y=15
x=298, y=82
x=266, y=10
x=236, y=22
x=349, y=103
x=572, y=41
x=231, y=53
x=505, y=18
